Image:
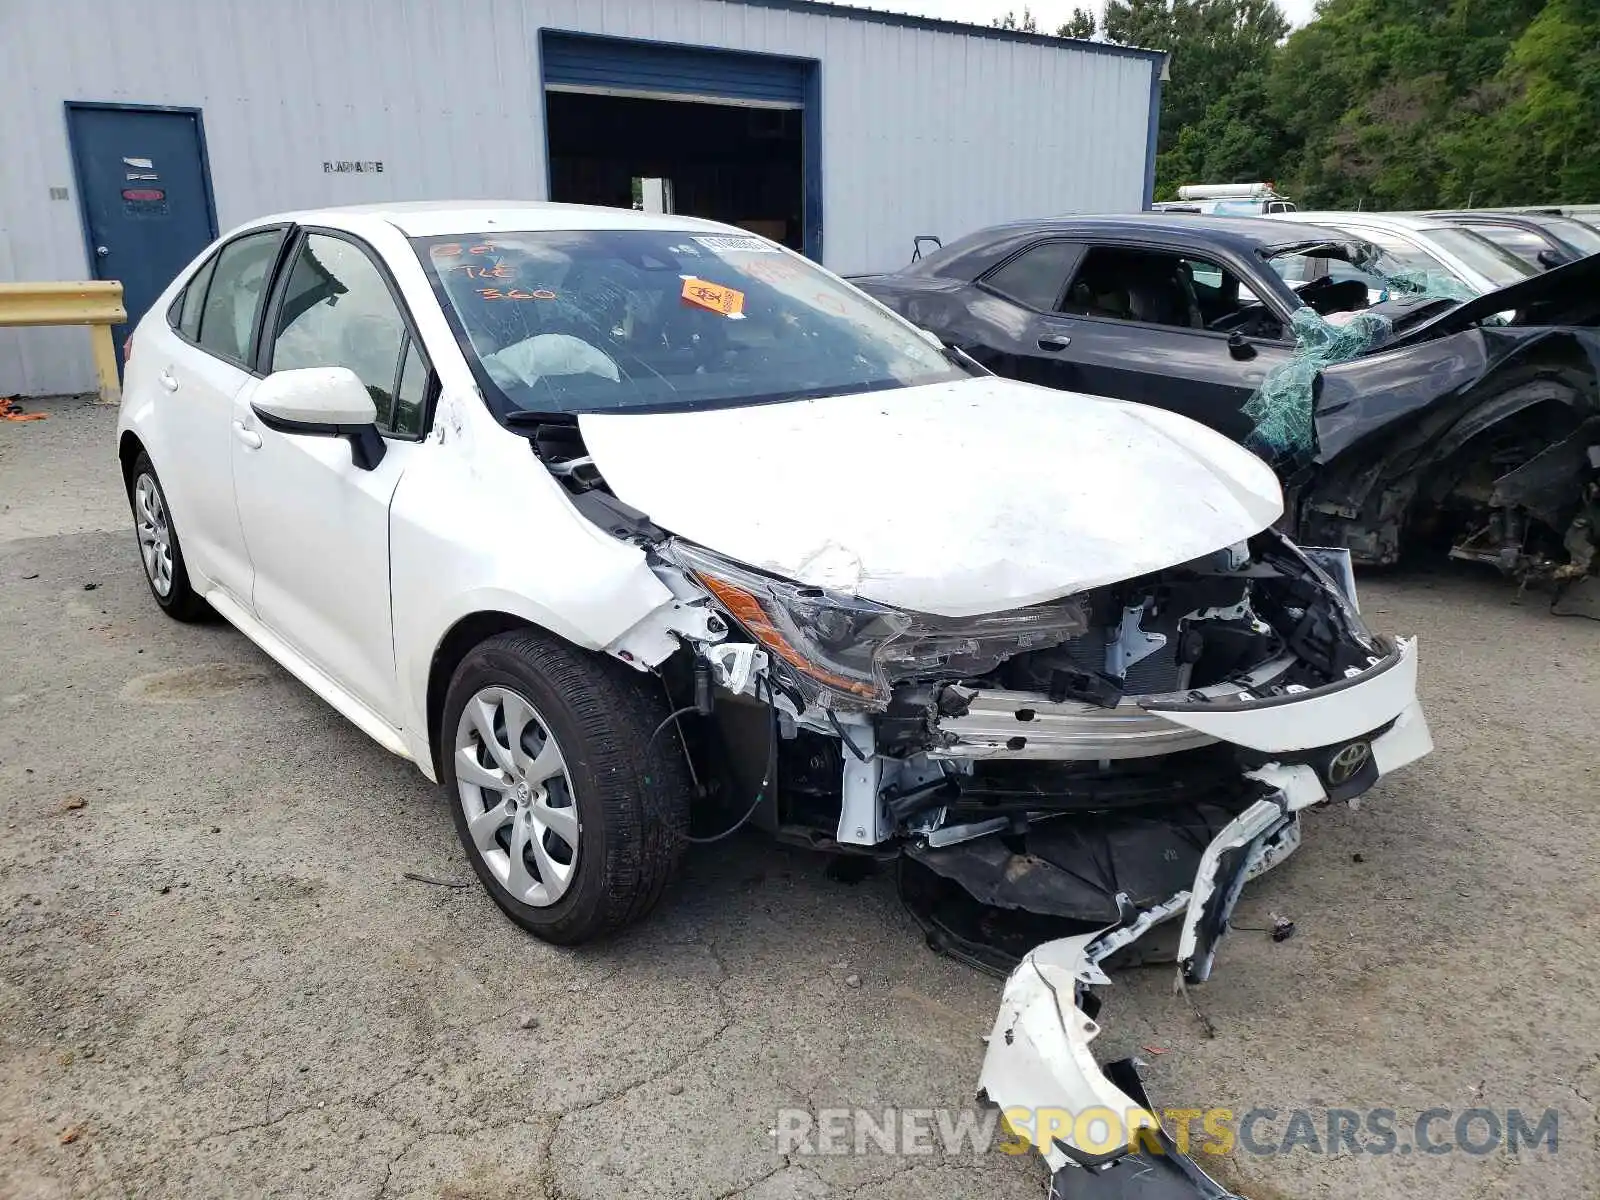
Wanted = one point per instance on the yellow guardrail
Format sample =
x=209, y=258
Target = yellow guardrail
x=95, y=303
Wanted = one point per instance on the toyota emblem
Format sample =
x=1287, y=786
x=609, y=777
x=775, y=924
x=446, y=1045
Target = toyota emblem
x=1343, y=766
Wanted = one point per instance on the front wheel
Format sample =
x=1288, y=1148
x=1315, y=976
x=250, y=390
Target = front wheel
x=572, y=819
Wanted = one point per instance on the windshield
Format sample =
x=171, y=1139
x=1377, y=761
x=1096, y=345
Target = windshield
x=584, y=320
x=1359, y=257
x=1236, y=208
x=1500, y=267
x=1397, y=255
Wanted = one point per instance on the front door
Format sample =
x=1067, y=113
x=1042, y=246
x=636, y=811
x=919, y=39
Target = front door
x=1168, y=329
x=144, y=194
x=316, y=525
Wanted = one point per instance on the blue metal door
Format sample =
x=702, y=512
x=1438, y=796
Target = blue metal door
x=145, y=195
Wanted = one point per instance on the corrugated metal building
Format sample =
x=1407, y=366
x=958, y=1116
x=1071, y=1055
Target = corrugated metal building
x=145, y=126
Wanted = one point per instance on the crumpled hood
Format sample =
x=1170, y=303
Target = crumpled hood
x=961, y=498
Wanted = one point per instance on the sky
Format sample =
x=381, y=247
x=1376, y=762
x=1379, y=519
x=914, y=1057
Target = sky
x=1049, y=13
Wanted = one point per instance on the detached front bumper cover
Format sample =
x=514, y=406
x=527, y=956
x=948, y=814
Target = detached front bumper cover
x=1095, y=1128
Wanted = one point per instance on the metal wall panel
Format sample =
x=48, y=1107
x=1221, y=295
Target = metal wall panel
x=924, y=129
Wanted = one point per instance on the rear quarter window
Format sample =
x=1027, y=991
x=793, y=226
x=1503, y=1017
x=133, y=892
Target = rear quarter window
x=1037, y=276
x=184, y=315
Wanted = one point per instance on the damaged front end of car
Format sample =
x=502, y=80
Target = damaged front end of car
x=1057, y=783
x=1111, y=760
x=1093, y=767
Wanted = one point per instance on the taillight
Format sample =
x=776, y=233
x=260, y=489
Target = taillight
x=127, y=350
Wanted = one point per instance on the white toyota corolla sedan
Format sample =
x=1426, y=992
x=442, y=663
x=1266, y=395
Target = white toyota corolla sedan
x=606, y=519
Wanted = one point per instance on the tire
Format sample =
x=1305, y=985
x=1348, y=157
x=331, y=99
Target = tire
x=160, y=552
x=631, y=807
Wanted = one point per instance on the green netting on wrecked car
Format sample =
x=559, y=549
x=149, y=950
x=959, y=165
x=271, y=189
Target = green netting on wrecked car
x=1282, y=406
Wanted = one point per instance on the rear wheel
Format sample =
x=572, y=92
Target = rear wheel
x=572, y=819
x=159, y=548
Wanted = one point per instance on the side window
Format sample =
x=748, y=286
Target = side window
x=410, y=398
x=1155, y=287
x=184, y=315
x=1037, y=275
x=1521, y=242
x=338, y=312
x=1402, y=251
x=233, y=297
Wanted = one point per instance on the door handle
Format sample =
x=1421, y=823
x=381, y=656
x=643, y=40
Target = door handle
x=248, y=436
x=1051, y=342
x=102, y=251
x=167, y=380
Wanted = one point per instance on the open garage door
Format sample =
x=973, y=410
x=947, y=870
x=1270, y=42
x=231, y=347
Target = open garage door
x=734, y=134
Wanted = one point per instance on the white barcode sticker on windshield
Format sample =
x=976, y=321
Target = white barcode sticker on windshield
x=729, y=244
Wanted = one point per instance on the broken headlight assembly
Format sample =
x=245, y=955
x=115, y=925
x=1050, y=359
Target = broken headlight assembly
x=848, y=653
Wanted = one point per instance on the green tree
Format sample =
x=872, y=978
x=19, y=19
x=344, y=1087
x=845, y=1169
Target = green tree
x=1212, y=46
x=1534, y=132
x=1380, y=103
x=1028, y=23
x=1081, y=24
x=1232, y=143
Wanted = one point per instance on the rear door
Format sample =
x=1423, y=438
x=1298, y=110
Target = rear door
x=144, y=195
x=202, y=347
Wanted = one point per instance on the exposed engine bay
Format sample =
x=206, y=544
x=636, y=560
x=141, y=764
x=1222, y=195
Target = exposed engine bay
x=1087, y=768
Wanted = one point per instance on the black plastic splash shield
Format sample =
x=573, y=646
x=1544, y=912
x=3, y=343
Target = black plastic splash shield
x=1151, y=1172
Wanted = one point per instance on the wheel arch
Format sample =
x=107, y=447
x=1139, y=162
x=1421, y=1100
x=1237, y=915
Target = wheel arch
x=457, y=642
x=129, y=447
x=1371, y=502
x=1515, y=396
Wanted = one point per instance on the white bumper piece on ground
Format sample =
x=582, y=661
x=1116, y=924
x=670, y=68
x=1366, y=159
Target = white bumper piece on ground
x=1094, y=1127
x=1038, y=1063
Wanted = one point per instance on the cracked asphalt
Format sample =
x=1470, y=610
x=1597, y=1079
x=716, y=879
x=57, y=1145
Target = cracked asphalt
x=215, y=979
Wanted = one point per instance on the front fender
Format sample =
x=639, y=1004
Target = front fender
x=478, y=525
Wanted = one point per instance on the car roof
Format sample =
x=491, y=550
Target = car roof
x=1240, y=233
x=426, y=218
x=970, y=256
x=1403, y=222
x=1520, y=220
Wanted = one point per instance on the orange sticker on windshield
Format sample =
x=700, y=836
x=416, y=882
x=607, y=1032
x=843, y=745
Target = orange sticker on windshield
x=713, y=297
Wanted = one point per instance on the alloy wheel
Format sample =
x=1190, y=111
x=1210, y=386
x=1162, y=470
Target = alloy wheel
x=155, y=534
x=517, y=796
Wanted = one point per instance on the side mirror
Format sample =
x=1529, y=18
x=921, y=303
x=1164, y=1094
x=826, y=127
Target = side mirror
x=1549, y=259
x=1239, y=348
x=322, y=402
